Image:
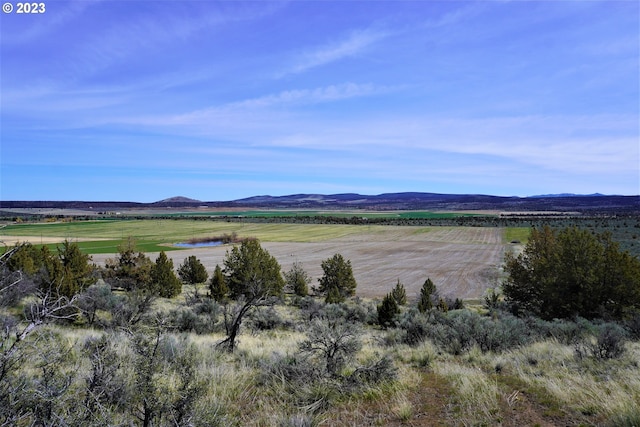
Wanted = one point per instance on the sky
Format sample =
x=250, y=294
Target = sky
x=220, y=100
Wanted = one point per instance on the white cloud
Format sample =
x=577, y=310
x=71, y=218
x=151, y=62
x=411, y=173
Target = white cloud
x=261, y=111
x=312, y=96
x=355, y=43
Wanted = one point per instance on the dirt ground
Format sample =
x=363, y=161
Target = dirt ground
x=462, y=261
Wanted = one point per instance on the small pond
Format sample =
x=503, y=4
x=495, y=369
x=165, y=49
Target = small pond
x=198, y=245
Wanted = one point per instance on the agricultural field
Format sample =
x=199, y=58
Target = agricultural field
x=462, y=261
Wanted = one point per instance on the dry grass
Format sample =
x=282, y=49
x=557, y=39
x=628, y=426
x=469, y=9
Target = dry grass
x=602, y=390
x=542, y=384
x=539, y=384
x=477, y=393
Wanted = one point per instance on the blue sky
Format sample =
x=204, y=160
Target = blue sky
x=219, y=100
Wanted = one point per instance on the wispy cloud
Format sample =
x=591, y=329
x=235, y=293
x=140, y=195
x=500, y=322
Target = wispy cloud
x=355, y=43
x=313, y=96
x=139, y=32
x=598, y=144
x=262, y=110
x=583, y=144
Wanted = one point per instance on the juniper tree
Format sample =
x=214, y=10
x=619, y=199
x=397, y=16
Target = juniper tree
x=218, y=288
x=130, y=269
x=338, y=282
x=164, y=281
x=76, y=269
x=192, y=272
x=427, y=292
x=297, y=280
x=399, y=293
x=254, y=279
x=250, y=269
x=25, y=257
x=388, y=309
x=572, y=272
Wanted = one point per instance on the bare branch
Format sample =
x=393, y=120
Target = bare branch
x=12, y=284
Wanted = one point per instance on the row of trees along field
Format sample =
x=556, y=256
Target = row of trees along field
x=153, y=379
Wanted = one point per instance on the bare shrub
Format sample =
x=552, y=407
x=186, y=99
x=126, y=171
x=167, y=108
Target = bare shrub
x=266, y=318
x=183, y=320
x=310, y=308
x=47, y=398
x=14, y=286
x=94, y=299
x=296, y=370
x=336, y=341
x=610, y=341
x=203, y=318
x=105, y=387
x=132, y=308
x=374, y=372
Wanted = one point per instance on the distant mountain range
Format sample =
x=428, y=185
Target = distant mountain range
x=437, y=201
x=567, y=195
x=388, y=201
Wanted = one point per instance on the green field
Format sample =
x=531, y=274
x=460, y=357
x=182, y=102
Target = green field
x=520, y=234
x=104, y=236
x=154, y=235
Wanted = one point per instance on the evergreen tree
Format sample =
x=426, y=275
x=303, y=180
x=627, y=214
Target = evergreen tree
x=334, y=296
x=164, y=281
x=338, y=282
x=26, y=258
x=218, y=285
x=250, y=269
x=458, y=304
x=572, y=272
x=442, y=305
x=130, y=269
x=428, y=290
x=76, y=269
x=67, y=273
x=254, y=278
x=297, y=280
x=192, y=272
x=399, y=294
x=388, y=309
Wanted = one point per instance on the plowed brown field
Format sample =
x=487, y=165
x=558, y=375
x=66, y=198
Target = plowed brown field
x=461, y=261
